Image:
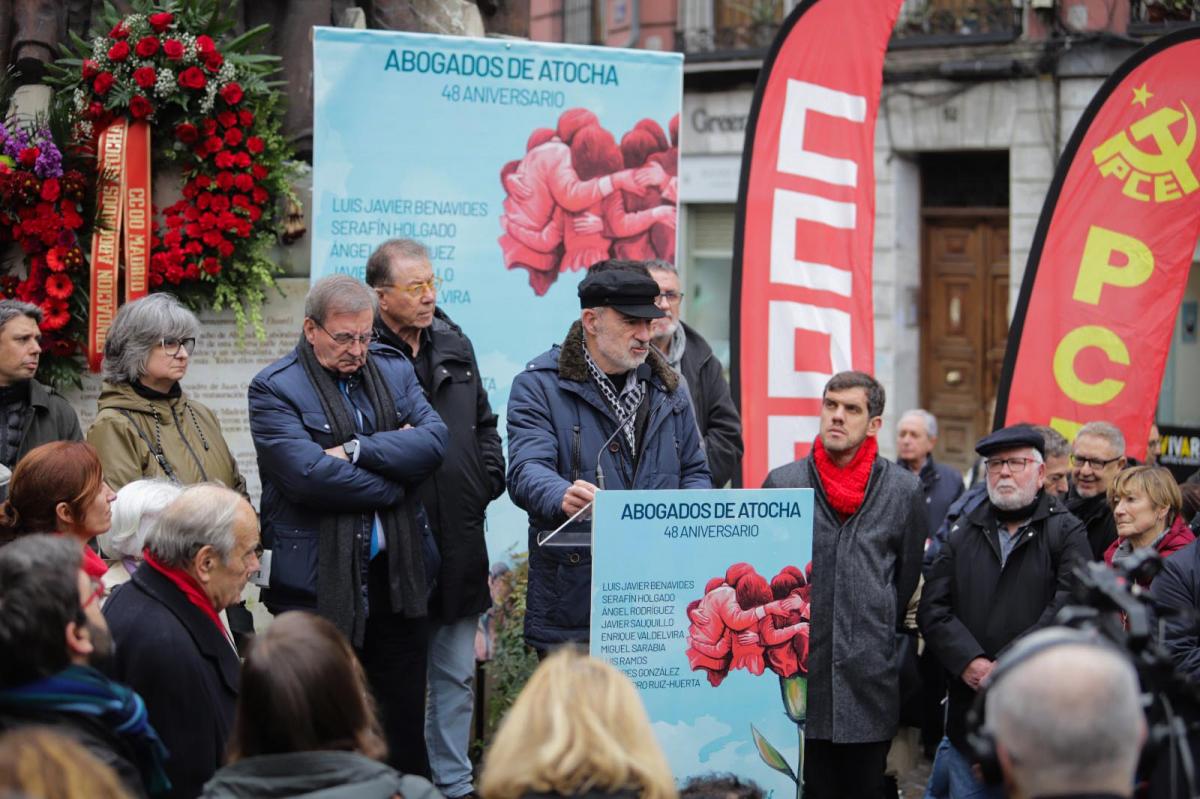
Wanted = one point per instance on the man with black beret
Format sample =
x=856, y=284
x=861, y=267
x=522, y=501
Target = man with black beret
x=1006, y=569
x=604, y=397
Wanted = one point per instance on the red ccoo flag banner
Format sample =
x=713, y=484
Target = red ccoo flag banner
x=801, y=304
x=1111, y=254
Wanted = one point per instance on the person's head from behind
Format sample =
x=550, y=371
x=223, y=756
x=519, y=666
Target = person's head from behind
x=58, y=488
x=1052, y=736
x=594, y=153
x=851, y=411
x=38, y=762
x=1057, y=455
x=49, y=610
x=592, y=732
x=151, y=342
x=720, y=786
x=137, y=507
x=20, y=341
x=303, y=691
x=210, y=533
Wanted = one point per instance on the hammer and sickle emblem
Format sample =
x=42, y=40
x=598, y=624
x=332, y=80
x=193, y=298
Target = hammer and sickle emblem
x=1168, y=169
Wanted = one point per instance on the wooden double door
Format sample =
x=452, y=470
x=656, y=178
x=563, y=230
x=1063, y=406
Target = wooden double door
x=964, y=324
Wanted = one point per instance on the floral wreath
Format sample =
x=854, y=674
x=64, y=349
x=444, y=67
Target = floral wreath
x=41, y=209
x=213, y=112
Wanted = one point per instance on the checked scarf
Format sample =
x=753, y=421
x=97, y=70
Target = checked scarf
x=84, y=691
x=624, y=405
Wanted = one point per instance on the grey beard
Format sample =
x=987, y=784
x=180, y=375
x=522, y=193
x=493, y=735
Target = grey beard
x=1014, y=501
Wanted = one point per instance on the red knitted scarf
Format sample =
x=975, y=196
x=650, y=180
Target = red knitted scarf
x=846, y=487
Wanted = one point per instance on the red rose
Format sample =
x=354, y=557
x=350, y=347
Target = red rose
x=50, y=189
x=118, y=31
x=204, y=45
x=203, y=181
x=211, y=265
x=209, y=126
x=119, y=51
x=255, y=215
x=90, y=69
x=94, y=110
x=161, y=21
x=192, y=78
x=243, y=182
x=225, y=181
x=260, y=195
x=174, y=274
x=186, y=132
x=224, y=159
x=225, y=248
x=213, y=62
x=102, y=83
x=174, y=49
x=241, y=160
x=140, y=107
x=213, y=144
x=219, y=202
x=227, y=119
x=146, y=46
x=212, y=237
x=246, y=118
x=259, y=171
x=233, y=137
x=255, y=145
x=29, y=156
x=231, y=93
x=145, y=77
x=204, y=201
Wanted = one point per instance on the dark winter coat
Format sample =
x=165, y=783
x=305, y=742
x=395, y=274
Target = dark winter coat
x=720, y=424
x=941, y=485
x=1097, y=517
x=315, y=775
x=471, y=475
x=1177, y=587
x=865, y=570
x=557, y=423
x=301, y=483
x=1178, y=536
x=185, y=668
x=972, y=607
x=970, y=499
x=36, y=418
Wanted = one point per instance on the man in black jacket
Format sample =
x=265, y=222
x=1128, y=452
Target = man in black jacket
x=693, y=360
x=51, y=634
x=1006, y=568
x=916, y=435
x=30, y=413
x=455, y=497
x=1097, y=456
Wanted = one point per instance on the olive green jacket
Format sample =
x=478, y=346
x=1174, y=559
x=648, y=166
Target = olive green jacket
x=175, y=438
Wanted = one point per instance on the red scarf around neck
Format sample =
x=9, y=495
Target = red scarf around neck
x=188, y=585
x=846, y=487
x=93, y=564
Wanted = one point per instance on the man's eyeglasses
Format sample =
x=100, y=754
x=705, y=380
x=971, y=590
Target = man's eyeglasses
x=1096, y=463
x=172, y=346
x=1015, y=465
x=99, y=591
x=416, y=289
x=349, y=339
x=670, y=297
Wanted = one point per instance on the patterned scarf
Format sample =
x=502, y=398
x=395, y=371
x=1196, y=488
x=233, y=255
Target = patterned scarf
x=846, y=487
x=84, y=691
x=626, y=404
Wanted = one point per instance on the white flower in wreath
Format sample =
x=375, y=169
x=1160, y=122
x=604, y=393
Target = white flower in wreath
x=165, y=84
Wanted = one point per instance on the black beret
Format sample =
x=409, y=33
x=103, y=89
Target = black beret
x=629, y=292
x=1017, y=435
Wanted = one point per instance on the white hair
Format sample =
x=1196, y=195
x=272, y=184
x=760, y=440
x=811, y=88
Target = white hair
x=137, y=506
x=928, y=418
x=202, y=515
x=1070, y=717
x=1108, y=431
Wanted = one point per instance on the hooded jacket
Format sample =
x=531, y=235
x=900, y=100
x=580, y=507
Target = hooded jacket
x=557, y=423
x=129, y=428
x=314, y=775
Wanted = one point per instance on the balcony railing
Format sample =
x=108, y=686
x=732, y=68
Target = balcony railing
x=715, y=29
x=1154, y=16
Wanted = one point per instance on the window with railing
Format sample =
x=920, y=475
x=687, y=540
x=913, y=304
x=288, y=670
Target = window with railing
x=1153, y=15
x=932, y=22
x=580, y=22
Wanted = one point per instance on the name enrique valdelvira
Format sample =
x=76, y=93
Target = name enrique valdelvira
x=668, y=511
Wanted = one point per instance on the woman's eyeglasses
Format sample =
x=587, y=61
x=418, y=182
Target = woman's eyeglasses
x=172, y=346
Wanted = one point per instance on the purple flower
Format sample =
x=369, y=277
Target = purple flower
x=49, y=160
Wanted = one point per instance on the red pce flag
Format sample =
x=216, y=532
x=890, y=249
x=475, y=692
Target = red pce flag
x=801, y=301
x=1111, y=253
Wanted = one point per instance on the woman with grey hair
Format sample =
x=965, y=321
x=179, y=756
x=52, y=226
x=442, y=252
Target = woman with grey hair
x=146, y=426
x=137, y=506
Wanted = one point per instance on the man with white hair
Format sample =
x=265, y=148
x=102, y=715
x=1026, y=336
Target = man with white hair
x=916, y=436
x=1097, y=456
x=171, y=646
x=1006, y=567
x=1052, y=737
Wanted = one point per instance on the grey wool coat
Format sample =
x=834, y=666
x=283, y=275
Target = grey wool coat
x=864, y=572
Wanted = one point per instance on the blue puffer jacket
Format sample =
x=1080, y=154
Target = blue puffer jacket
x=557, y=423
x=300, y=483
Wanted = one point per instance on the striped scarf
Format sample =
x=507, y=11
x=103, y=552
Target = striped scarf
x=624, y=405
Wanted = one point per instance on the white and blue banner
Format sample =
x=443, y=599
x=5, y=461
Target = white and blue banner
x=702, y=599
x=518, y=164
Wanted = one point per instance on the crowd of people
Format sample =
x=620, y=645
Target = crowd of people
x=125, y=557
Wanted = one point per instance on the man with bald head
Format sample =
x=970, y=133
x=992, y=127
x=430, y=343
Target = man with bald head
x=1053, y=737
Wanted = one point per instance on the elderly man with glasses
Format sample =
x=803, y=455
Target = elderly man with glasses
x=344, y=437
x=1097, y=456
x=1005, y=569
x=455, y=497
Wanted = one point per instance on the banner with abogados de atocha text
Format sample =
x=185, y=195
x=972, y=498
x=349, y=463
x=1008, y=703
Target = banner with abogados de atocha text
x=802, y=291
x=701, y=599
x=518, y=164
x=1111, y=254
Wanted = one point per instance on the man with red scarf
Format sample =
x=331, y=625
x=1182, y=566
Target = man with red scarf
x=868, y=530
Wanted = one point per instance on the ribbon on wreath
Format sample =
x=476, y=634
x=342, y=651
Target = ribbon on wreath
x=123, y=161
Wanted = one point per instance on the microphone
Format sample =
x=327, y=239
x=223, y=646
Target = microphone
x=641, y=374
